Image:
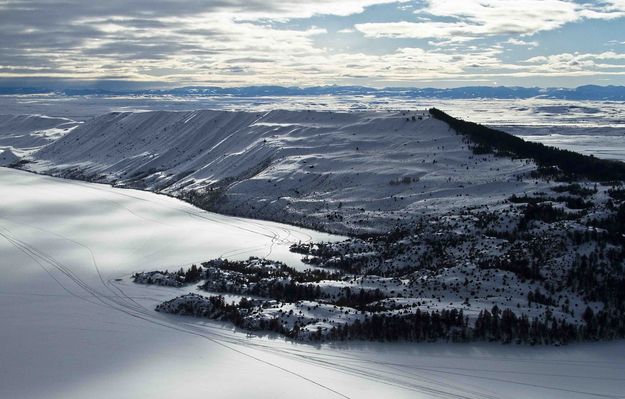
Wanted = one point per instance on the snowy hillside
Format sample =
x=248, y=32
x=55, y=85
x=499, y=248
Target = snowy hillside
x=342, y=172
x=22, y=134
x=456, y=222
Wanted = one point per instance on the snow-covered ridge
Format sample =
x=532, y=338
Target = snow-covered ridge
x=344, y=172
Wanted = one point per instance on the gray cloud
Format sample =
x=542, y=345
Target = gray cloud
x=238, y=42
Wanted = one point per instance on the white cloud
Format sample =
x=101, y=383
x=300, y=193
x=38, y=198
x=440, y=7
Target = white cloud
x=605, y=62
x=300, y=9
x=472, y=19
x=236, y=42
x=415, y=30
x=516, y=42
x=496, y=17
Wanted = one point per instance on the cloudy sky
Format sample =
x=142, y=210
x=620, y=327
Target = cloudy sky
x=376, y=43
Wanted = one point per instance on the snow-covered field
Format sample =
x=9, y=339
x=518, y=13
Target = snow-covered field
x=71, y=329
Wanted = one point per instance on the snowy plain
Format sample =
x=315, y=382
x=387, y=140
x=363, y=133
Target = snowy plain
x=74, y=326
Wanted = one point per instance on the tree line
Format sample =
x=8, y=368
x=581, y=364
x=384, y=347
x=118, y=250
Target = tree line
x=570, y=163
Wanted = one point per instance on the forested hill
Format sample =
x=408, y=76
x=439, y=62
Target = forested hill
x=566, y=164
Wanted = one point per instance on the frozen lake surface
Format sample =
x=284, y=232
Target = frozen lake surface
x=74, y=326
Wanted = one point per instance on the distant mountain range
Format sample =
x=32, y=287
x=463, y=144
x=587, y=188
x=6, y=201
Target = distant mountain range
x=588, y=92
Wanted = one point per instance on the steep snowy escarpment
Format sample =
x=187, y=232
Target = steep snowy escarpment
x=346, y=172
